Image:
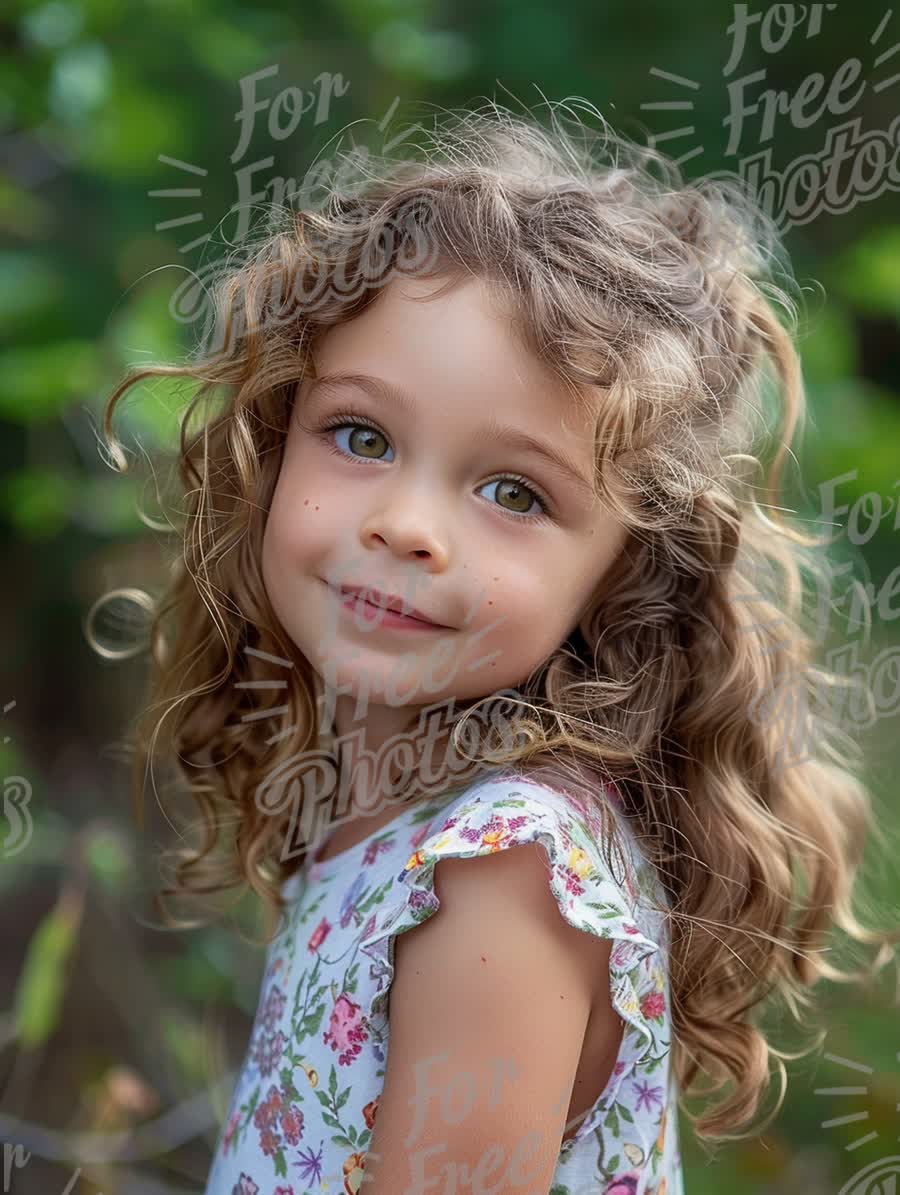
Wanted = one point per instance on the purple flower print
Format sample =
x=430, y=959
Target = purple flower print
x=267, y=1052
x=421, y=900
x=623, y=1184
x=474, y=834
x=244, y=1186
x=373, y=850
x=348, y=904
x=310, y=1166
x=647, y=1095
x=273, y=1007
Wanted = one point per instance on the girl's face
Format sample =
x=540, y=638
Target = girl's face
x=427, y=476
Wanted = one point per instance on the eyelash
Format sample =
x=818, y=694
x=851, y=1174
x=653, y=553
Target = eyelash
x=349, y=418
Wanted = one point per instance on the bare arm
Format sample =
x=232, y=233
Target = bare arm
x=488, y=1009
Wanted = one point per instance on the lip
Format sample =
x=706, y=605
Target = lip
x=393, y=610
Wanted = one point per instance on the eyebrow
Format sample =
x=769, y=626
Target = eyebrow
x=512, y=437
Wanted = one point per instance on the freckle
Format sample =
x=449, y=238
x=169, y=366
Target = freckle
x=483, y=959
x=317, y=507
x=490, y=603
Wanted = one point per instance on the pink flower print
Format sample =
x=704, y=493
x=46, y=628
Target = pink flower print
x=370, y=925
x=573, y=885
x=622, y=952
x=623, y=1184
x=345, y=1030
x=273, y=1007
x=648, y=1095
x=419, y=837
x=653, y=1005
x=245, y=1186
x=284, y=1191
x=229, y=1131
x=292, y=1124
x=320, y=933
x=618, y=1068
x=630, y=929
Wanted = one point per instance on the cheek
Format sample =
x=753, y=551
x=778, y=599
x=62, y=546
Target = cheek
x=521, y=608
x=297, y=520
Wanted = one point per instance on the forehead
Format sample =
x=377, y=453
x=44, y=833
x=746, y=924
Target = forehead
x=455, y=345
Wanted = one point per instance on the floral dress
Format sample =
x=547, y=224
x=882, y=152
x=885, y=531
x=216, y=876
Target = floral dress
x=306, y=1099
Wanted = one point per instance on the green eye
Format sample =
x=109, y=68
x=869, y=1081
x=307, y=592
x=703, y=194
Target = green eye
x=520, y=495
x=366, y=441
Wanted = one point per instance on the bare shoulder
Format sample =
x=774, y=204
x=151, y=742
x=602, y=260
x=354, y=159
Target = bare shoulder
x=507, y=893
x=493, y=971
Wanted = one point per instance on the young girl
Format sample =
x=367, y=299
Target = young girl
x=476, y=681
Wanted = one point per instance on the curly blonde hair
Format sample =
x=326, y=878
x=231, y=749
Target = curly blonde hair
x=622, y=276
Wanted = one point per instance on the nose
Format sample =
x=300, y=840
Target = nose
x=407, y=534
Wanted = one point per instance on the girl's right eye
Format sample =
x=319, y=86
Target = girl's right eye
x=363, y=440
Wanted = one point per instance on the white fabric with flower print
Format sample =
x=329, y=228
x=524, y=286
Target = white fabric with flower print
x=306, y=1099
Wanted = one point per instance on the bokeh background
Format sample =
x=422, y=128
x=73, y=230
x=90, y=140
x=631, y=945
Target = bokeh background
x=110, y=1024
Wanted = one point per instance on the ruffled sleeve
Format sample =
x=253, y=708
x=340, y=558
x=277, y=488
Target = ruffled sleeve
x=597, y=893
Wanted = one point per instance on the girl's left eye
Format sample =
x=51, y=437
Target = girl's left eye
x=366, y=447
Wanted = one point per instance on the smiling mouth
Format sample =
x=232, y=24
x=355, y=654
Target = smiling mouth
x=382, y=615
